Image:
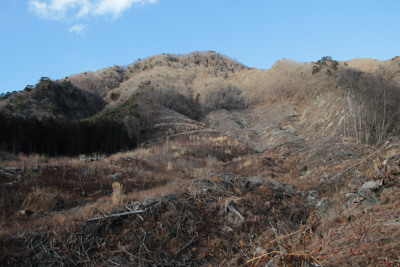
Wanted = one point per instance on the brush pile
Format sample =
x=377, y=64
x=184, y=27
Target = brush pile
x=207, y=223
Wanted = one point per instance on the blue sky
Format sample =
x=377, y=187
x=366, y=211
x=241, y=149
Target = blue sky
x=57, y=38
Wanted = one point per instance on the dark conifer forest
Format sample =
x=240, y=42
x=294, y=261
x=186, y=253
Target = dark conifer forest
x=62, y=138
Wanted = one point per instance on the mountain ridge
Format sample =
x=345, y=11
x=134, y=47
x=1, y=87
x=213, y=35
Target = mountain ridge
x=189, y=75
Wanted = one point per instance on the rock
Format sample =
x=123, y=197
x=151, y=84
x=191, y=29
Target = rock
x=371, y=185
x=366, y=193
x=371, y=201
x=370, y=197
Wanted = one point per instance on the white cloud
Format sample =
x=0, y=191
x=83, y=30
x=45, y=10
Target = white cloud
x=60, y=9
x=39, y=8
x=74, y=9
x=116, y=7
x=78, y=29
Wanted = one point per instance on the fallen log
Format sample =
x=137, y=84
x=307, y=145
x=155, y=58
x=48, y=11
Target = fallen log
x=11, y=169
x=115, y=215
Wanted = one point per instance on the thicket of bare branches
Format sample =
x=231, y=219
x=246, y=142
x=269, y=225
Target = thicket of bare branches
x=99, y=82
x=372, y=104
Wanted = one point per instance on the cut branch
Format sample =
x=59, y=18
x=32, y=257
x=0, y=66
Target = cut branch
x=115, y=215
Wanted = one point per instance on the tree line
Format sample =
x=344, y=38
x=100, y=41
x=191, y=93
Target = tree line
x=62, y=138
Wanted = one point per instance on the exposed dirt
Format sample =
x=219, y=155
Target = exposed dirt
x=260, y=128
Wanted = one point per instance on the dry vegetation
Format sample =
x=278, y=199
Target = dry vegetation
x=235, y=167
x=203, y=211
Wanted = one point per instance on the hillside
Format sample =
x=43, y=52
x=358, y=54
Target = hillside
x=198, y=160
x=58, y=99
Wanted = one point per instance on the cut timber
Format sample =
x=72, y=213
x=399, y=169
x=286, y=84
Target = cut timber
x=229, y=206
x=115, y=215
x=90, y=159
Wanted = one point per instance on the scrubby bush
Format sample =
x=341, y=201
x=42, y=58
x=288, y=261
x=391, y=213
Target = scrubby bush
x=114, y=96
x=315, y=69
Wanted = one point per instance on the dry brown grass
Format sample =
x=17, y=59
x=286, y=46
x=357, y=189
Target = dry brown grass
x=291, y=249
x=68, y=183
x=368, y=232
x=209, y=73
x=22, y=160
